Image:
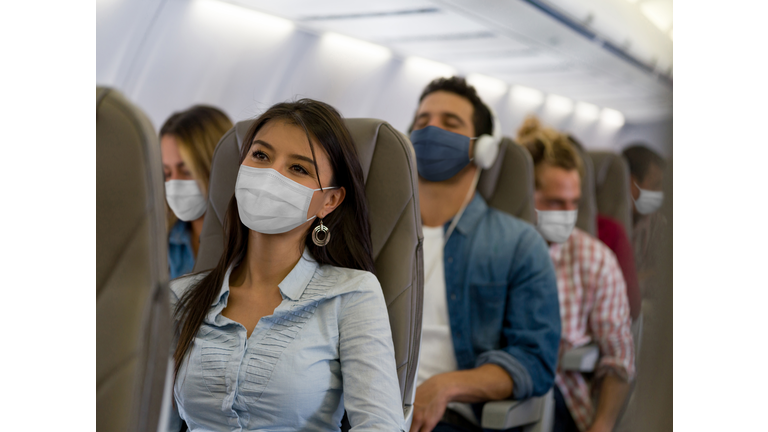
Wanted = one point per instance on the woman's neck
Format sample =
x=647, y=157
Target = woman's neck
x=268, y=259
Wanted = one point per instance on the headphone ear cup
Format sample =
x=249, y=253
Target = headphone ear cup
x=486, y=150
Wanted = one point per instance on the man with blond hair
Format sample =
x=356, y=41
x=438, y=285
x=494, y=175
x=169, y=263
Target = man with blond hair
x=591, y=289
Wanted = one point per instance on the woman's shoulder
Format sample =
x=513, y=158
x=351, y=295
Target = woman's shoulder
x=182, y=284
x=346, y=280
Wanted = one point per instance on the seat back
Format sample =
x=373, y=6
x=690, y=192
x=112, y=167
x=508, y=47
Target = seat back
x=587, y=220
x=133, y=332
x=612, y=188
x=389, y=168
x=508, y=184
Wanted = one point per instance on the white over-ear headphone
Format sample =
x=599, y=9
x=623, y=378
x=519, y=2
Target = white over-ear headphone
x=487, y=146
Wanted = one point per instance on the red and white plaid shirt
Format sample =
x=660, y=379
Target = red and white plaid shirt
x=593, y=309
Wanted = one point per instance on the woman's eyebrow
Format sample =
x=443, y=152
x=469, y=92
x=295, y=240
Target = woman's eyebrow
x=293, y=156
x=304, y=158
x=264, y=143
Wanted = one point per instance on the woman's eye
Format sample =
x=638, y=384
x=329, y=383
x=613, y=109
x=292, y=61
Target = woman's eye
x=299, y=169
x=260, y=155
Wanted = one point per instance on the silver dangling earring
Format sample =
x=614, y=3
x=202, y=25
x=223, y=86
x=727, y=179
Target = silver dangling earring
x=320, y=235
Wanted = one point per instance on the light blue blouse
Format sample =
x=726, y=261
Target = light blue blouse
x=326, y=348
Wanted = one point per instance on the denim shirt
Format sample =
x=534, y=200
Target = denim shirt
x=181, y=258
x=501, y=290
x=326, y=348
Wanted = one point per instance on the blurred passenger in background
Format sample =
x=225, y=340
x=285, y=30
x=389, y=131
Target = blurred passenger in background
x=612, y=233
x=593, y=299
x=291, y=327
x=187, y=141
x=646, y=169
x=491, y=324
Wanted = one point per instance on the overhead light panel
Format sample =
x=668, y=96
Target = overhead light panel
x=489, y=87
x=355, y=48
x=527, y=95
x=587, y=111
x=429, y=67
x=659, y=12
x=228, y=15
x=612, y=118
x=559, y=104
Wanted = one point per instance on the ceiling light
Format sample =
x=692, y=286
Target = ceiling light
x=489, y=87
x=612, y=118
x=559, y=104
x=659, y=12
x=355, y=48
x=527, y=95
x=587, y=111
x=429, y=67
x=228, y=15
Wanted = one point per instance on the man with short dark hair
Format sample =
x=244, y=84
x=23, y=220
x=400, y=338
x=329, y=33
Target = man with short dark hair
x=491, y=323
x=646, y=170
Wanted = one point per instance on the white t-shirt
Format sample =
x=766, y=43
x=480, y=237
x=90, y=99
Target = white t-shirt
x=437, y=355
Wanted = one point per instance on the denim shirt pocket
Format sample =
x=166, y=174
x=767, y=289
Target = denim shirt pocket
x=487, y=304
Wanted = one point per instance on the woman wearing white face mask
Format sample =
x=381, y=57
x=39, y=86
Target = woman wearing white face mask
x=290, y=329
x=187, y=141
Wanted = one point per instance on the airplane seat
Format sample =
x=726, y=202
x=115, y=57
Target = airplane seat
x=612, y=188
x=587, y=219
x=388, y=161
x=133, y=320
x=508, y=184
x=614, y=199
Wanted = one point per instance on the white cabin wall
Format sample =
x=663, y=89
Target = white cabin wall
x=166, y=55
x=656, y=135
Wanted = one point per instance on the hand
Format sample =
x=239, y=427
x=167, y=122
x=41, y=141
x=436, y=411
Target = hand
x=431, y=400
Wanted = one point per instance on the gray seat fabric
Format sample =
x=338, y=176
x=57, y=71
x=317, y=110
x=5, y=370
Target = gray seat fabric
x=508, y=184
x=587, y=220
x=612, y=188
x=389, y=167
x=133, y=333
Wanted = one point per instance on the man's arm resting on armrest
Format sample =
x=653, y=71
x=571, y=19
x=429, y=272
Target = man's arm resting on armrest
x=613, y=391
x=483, y=383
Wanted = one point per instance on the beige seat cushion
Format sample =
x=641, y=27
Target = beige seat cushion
x=133, y=331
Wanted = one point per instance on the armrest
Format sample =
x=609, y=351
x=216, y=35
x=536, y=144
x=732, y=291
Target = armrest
x=581, y=359
x=507, y=414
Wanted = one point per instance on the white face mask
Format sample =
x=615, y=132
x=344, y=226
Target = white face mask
x=271, y=203
x=556, y=225
x=648, y=201
x=185, y=199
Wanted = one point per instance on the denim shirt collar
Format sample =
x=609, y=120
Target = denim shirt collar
x=472, y=215
x=292, y=286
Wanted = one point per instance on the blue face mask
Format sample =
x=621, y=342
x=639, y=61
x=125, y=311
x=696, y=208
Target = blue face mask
x=440, y=154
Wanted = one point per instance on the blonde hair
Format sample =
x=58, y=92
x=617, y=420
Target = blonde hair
x=197, y=130
x=548, y=146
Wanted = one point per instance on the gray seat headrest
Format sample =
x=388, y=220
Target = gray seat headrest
x=388, y=162
x=133, y=325
x=612, y=187
x=508, y=184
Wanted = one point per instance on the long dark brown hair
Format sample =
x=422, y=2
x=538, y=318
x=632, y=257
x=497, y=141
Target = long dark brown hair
x=350, y=245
